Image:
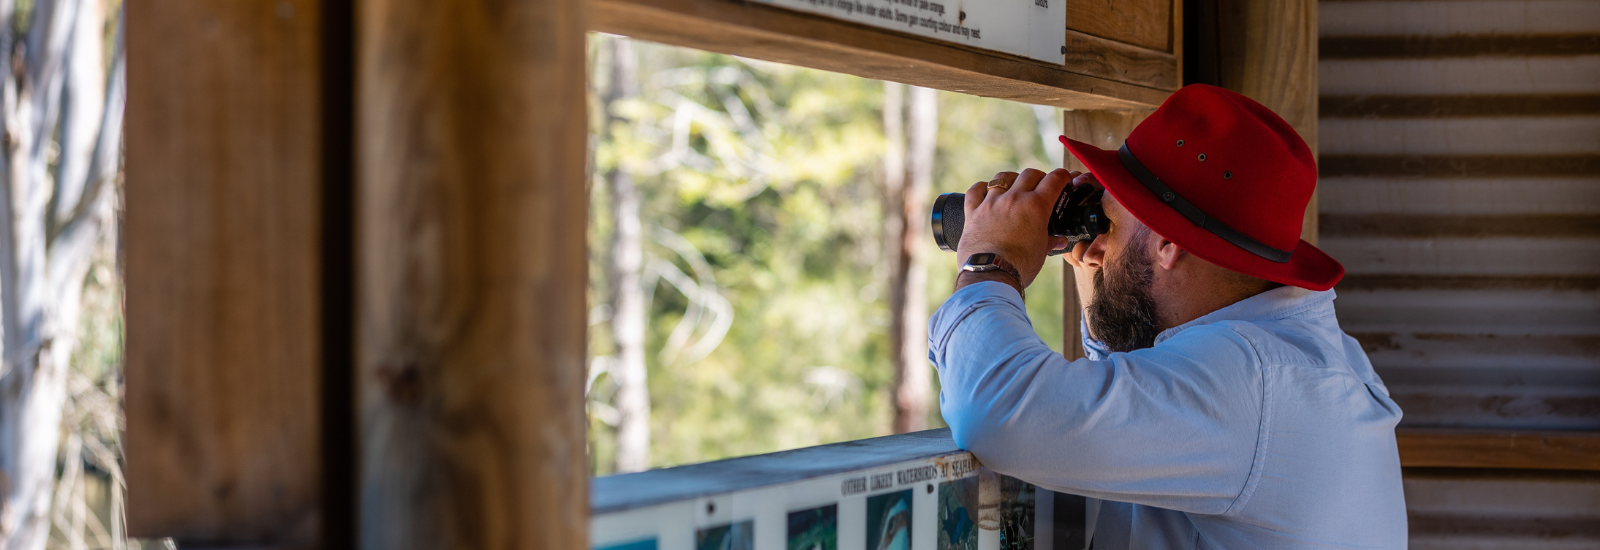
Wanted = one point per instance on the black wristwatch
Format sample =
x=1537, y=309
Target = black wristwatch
x=989, y=261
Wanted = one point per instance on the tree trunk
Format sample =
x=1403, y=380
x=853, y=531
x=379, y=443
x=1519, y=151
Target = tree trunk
x=908, y=307
x=628, y=315
x=49, y=222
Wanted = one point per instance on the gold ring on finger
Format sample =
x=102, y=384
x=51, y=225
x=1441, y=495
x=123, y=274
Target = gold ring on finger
x=1000, y=184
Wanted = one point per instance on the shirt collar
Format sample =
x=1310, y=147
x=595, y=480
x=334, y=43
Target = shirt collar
x=1279, y=303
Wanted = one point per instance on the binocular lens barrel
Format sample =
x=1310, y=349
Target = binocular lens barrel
x=949, y=215
x=1077, y=216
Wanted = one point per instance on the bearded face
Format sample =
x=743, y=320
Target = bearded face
x=1123, y=314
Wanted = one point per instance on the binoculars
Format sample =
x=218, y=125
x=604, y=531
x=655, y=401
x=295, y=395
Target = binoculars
x=1077, y=216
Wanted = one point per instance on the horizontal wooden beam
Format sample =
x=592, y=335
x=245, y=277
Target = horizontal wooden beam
x=1099, y=75
x=1445, y=448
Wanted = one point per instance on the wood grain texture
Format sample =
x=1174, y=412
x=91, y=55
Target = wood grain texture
x=1101, y=56
x=1144, y=23
x=1463, y=196
x=1464, y=166
x=471, y=274
x=1106, y=130
x=1447, y=106
x=223, y=334
x=1458, y=45
x=1499, y=449
x=784, y=36
x=1267, y=51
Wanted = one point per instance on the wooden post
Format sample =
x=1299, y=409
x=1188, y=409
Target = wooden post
x=224, y=269
x=1266, y=50
x=1106, y=130
x=472, y=274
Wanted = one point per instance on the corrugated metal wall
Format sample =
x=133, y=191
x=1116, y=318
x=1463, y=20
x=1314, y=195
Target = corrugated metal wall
x=1460, y=158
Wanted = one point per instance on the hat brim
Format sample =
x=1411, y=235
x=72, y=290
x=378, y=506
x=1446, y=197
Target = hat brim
x=1308, y=267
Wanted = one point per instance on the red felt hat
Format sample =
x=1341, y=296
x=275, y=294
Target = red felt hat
x=1223, y=177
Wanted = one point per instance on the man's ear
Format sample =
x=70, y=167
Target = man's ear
x=1166, y=252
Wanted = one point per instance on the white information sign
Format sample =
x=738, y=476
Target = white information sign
x=1029, y=28
x=929, y=504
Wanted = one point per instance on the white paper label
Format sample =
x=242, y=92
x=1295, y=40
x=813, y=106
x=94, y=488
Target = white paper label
x=1029, y=28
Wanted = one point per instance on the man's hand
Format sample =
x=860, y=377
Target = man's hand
x=1083, y=271
x=1012, y=221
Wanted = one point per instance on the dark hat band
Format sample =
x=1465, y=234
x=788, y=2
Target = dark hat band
x=1199, y=217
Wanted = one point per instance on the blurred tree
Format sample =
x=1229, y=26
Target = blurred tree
x=907, y=235
x=626, y=268
x=61, y=105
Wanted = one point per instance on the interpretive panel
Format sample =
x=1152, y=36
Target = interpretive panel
x=1030, y=28
x=942, y=503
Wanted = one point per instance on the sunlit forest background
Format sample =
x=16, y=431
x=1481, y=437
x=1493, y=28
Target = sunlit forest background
x=762, y=220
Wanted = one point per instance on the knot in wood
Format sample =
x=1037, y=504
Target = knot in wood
x=402, y=382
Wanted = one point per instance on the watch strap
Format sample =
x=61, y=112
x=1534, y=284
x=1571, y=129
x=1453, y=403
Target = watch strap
x=991, y=262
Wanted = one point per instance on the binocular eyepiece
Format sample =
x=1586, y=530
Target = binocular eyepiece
x=1077, y=216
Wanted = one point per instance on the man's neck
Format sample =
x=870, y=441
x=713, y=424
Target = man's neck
x=1183, y=303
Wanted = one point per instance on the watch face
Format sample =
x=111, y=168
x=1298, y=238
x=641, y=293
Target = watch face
x=981, y=258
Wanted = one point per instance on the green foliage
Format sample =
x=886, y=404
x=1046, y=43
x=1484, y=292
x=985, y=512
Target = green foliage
x=774, y=175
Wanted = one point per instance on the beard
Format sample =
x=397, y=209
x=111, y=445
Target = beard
x=1123, y=314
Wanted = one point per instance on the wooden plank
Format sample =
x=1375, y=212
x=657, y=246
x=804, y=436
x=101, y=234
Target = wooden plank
x=1478, y=358
x=1588, y=283
x=1465, y=196
x=1450, y=17
x=1100, y=56
x=1144, y=23
x=1499, y=449
x=472, y=209
x=1511, y=306
x=223, y=271
x=1461, y=76
x=1512, y=256
x=1437, y=402
x=1103, y=129
x=1426, y=226
x=1466, y=137
x=784, y=36
x=1458, y=45
x=1106, y=130
x=1443, y=106
x=1463, y=166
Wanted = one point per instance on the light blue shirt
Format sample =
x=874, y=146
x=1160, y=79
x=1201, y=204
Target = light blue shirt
x=1259, y=425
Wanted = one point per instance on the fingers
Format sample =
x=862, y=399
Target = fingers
x=1083, y=178
x=1075, y=257
x=975, y=196
x=1028, y=180
x=1007, y=179
x=1058, y=243
x=1053, y=183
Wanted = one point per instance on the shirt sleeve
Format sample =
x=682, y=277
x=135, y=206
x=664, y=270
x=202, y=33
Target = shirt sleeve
x=1175, y=426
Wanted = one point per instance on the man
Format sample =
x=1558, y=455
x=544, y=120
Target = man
x=1220, y=405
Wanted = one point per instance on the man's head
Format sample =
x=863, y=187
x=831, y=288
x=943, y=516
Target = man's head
x=1145, y=283
x=1225, y=177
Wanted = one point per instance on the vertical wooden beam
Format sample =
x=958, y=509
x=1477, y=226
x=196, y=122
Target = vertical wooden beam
x=1267, y=50
x=223, y=197
x=1106, y=130
x=472, y=274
